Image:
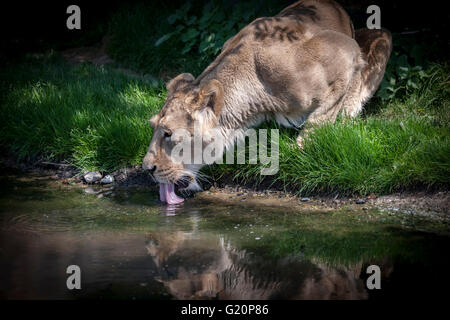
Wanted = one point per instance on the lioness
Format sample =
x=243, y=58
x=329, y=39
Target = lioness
x=305, y=64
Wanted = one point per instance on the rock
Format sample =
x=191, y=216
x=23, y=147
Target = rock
x=305, y=199
x=372, y=196
x=92, y=176
x=107, y=179
x=360, y=201
x=68, y=174
x=121, y=177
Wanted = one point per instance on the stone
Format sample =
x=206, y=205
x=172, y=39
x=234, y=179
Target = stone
x=92, y=176
x=121, y=177
x=360, y=201
x=68, y=174
x=107, y=179
x=305, y=199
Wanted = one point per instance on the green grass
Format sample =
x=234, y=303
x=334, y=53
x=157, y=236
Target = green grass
x=94, y=118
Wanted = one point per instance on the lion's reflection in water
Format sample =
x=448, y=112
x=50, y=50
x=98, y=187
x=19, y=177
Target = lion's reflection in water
x=209, y=267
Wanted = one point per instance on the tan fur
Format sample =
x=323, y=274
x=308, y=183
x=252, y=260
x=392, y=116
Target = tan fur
x=300, y=65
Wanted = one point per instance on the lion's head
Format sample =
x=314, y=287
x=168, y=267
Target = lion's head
x=191, y=110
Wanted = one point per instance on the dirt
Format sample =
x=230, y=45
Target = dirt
x=96, y=55
x=426, y=204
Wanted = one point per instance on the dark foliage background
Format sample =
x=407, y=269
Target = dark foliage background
x=39, y=25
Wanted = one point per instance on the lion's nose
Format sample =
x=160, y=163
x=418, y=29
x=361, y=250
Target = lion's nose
x=146, y=165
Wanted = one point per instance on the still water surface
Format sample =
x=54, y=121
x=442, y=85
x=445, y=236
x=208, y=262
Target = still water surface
x=130, y=246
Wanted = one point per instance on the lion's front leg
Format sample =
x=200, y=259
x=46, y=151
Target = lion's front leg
x=318, y=118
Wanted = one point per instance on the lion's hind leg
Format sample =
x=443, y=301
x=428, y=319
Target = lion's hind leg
x=375, y=47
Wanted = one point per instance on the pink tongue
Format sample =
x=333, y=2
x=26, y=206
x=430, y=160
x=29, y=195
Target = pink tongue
x=167, y=194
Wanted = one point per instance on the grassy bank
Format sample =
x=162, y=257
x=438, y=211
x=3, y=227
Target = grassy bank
x=97, y=117
x=94, y=118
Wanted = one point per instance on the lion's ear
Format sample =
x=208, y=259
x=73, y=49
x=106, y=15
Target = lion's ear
x=211, y=96
x=179, y=81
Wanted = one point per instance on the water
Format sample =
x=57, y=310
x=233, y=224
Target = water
x=129, y=246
